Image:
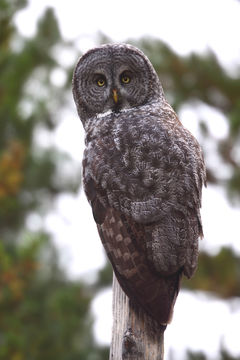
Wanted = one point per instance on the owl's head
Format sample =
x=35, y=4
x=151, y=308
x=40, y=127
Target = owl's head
x=113, y=78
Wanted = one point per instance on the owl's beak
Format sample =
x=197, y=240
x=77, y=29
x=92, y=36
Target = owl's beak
x=115, y=96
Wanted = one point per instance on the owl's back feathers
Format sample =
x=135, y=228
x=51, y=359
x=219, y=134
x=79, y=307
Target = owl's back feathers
x=144, y=181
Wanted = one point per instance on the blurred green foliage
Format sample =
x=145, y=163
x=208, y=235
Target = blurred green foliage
x=43, y=315
x=224, y=355
x=219, y=274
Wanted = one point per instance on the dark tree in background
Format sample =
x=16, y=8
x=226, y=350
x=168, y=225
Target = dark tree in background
x=43, y=314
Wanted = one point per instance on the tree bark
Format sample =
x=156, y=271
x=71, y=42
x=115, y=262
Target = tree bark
x=135, y=335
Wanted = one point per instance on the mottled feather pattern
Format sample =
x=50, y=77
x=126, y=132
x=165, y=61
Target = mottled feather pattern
x=148, y=172
x=124, y=242
x=143, y=174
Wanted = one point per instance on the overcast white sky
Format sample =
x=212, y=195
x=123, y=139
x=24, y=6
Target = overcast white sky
x=186, y=25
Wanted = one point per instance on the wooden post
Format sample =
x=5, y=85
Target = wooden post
x=135, y=336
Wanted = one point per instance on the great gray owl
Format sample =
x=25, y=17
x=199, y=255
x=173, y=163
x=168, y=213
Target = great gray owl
x=143, y=174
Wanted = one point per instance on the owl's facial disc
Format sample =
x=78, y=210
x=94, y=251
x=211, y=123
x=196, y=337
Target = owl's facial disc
x=113, y=78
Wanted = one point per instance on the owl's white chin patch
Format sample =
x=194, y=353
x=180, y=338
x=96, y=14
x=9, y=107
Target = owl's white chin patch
x=108, y=112
x=105, y=113
x=125, y=110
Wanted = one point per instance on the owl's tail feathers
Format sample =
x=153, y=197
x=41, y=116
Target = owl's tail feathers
x=164, y=293
x=157, y=296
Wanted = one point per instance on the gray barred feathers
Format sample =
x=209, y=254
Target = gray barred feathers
x=143, y=175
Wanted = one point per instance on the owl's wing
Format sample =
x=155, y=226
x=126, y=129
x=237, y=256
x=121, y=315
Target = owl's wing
x=123, y=240
x=93, y=193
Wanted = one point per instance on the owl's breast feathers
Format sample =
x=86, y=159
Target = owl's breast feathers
x=143, y=175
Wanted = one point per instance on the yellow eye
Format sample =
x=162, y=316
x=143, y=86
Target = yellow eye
x=101, y=82
x=125, y=79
